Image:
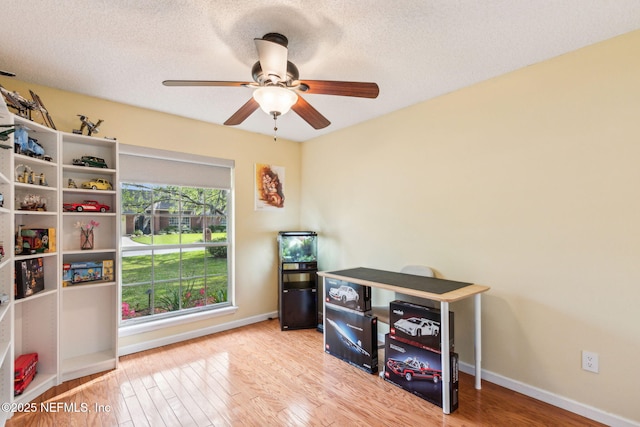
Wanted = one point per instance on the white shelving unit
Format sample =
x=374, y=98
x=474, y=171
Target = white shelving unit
x=89, y=338
x=6, y=266
x=36, y=317
x=74, y=328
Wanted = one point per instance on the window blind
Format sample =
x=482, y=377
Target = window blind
x=153, y=166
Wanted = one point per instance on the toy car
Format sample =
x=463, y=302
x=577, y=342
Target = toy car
x=412, y=368
x=26, y=367
x=86, y=206
x=344, y=293
x=417, y=327
x=94, y=162
x=98, y=184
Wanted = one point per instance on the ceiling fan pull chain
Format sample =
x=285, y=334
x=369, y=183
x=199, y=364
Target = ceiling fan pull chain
x=275, y=127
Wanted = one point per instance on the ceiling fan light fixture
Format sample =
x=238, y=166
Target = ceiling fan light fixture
x=275, y=99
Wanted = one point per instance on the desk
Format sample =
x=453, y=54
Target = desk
x=444, y=291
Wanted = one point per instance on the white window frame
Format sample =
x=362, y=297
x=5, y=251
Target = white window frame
x=146, y=156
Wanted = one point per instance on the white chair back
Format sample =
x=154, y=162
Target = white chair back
x=418, y=270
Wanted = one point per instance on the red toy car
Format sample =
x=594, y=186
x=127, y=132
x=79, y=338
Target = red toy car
x=87, y=205
x=25, y=370
x=412, y=368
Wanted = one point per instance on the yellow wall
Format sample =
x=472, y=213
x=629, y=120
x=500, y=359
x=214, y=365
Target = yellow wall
x=255, y=232
x=527, y=183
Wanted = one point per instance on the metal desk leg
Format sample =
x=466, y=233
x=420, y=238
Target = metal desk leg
x=324, y=315
x=478, y=340
x=445, y=357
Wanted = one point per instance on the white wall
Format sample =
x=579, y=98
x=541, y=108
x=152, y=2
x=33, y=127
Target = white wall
x=527, y=183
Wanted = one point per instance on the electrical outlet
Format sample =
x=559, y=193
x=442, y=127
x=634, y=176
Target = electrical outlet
x=590, y=361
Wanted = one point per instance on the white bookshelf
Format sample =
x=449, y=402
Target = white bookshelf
x=88, y=334
x=36, y=318
x=6, y=266
x=74, y=328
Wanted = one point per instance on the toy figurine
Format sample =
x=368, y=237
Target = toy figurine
x=88, y=125
x=18, y=248
x=71, y=184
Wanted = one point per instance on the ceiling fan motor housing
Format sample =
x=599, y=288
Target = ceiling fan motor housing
x=276, y=38
x=259, y=77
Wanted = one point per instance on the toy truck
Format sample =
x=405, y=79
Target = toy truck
x=26, y=367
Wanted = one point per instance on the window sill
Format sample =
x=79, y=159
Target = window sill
x=125, y=331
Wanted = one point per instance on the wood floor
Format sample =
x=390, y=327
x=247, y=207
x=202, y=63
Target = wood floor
x=260, y=376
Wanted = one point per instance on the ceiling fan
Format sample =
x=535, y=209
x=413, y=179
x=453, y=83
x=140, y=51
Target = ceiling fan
x=277, y=88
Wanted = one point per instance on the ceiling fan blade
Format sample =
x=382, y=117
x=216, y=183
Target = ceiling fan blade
x=273, y=59
x=203, y=83
x=245, y=111
x=330, y=87
x=310, y=114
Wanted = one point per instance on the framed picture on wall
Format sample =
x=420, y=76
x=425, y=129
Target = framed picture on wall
x=269, y=187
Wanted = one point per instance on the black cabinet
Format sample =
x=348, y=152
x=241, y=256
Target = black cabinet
x=298, y=299
x=297, y=280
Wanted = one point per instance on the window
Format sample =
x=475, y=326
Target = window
x=183, y=222
x=175, y=235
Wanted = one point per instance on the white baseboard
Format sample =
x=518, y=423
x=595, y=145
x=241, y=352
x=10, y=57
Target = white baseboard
x=552, y=398
x=172, y=339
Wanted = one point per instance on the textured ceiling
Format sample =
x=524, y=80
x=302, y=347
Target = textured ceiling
x=122, y=50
